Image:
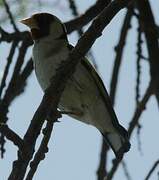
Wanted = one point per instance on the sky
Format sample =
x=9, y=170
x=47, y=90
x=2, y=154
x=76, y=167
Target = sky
x=74, y=147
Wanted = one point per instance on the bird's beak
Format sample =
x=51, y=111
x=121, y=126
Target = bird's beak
x=30, y=22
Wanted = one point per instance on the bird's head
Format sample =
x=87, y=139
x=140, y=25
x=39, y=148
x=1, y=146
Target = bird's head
x=43, y=25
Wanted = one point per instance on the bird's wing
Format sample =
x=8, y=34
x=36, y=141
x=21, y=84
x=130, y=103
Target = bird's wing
x=118, y=145
x=101, y=88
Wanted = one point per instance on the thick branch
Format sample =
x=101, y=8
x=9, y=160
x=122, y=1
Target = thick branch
x=40, y=154
x=80, y=31
x=15, y=36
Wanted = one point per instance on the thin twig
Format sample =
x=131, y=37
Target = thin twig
x=157, y=97
x=9, y=61
x=150, y=89
x=133, y=123
x=119, y=51
x=11, y=89
x=19, y=86
x=138, y=66
x=10, y=15
x=75, y=13
x=21, y=81
x=102, y=170
x=84, y=19
x=138, y=79
x=140, y=108
x=125, y=169
x=11, y=135
x=17, y=69
x=150, y=31
x=152, y=170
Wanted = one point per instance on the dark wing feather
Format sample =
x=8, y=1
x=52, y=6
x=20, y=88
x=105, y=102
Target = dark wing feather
x=103, y=93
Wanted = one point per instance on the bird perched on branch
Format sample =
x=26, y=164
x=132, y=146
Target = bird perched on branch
x=84, y=97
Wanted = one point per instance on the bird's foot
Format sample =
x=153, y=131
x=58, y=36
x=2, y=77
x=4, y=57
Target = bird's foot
x=59, y=114
x=73, y=113
x=52, y=116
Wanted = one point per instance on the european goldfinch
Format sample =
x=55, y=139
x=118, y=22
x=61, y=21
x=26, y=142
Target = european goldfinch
x=85, y=95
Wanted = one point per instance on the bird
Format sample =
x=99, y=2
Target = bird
x=85, y=97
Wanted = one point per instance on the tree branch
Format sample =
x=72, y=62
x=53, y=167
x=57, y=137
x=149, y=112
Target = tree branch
x=119, y=53
x=101, y=172
x=152, y=170
x=15, y=36
x=40, y=154
x=11, y=135
x=140, y=108
x=80, y=31
x=151, y=34
x=75, y=13
x=9, y=61
x=10, y=15
x=12, y=90
x=84, y=19
x=126, y=172
x=149, y=28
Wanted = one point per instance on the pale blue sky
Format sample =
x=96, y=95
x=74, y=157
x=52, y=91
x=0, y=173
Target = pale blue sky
x=74, y=147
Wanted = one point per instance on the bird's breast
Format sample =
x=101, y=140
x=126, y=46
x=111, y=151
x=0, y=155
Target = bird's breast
x=46, y=62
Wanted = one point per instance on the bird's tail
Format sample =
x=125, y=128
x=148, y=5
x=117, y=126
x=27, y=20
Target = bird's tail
x=118, y=142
